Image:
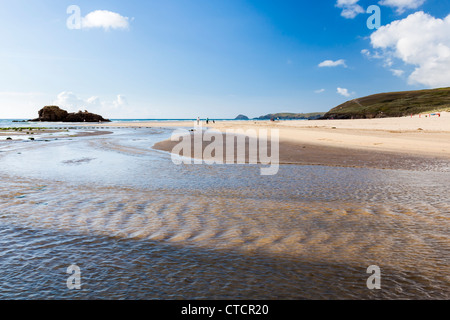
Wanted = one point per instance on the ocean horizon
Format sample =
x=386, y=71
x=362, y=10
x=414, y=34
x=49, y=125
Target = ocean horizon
x=25, y=122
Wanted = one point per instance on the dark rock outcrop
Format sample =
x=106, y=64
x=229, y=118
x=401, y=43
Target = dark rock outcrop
x=241, y=117
x=56, y=114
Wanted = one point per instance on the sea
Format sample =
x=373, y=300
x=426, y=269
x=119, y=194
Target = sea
x=139, y=226
x=8, y=123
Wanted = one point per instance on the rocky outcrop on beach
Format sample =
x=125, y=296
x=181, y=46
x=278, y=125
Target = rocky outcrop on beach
x=56, y=114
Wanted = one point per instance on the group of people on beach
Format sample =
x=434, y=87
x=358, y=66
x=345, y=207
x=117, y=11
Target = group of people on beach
x=429, y=115
x=207, y=121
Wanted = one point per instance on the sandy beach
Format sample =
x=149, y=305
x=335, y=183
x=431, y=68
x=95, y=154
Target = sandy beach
x=420, y=136
x=380, y=143
x=414, y=136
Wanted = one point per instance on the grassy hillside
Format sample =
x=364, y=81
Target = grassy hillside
x=292, y=116
x=393, y=104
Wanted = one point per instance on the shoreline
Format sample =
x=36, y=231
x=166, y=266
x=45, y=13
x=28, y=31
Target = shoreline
x=388, y=143
x=391, y=143
x=291, y=153
x=47, y=133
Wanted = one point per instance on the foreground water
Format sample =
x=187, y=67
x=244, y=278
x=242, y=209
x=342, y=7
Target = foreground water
x=140, y=227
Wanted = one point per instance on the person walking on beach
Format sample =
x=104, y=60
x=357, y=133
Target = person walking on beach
x=198, y=121
x=207, y=120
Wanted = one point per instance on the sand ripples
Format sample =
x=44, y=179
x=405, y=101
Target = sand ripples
x=390, y=233
x=297, y=231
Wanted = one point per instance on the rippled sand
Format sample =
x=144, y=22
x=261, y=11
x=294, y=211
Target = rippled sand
x=141, y=227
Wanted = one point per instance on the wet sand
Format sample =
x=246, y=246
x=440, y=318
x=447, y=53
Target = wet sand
x=298, y=153
x=379, y=143
x=26, y=131
x=49, y=133
x=141, y=227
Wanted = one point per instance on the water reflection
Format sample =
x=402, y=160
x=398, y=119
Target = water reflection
x=140, y=227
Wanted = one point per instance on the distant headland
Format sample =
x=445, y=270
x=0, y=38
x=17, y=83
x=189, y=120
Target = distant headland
x=56, y=114
x=285, y=116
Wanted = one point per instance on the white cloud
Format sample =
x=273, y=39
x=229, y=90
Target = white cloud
x=365, y=52
x=419, y=40
x=120, y=101
x=71, y=102
x=105, y=19
x=331, y=63
x=343, y=92
x=320, y=91
x=350, y=8
x=402, y=5
x=93, y=100
x=368, y=54
x=397, y=72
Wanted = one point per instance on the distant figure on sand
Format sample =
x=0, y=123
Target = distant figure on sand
x=207, y=120
x=198, y=121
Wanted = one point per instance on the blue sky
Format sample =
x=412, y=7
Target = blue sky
x=215, y=58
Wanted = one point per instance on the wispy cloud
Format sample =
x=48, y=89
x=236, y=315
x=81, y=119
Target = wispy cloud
x=350, y=8
x=397, y=72
x=402, y=5
x=331, y=63
x=319, y=91
x=344, y=92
